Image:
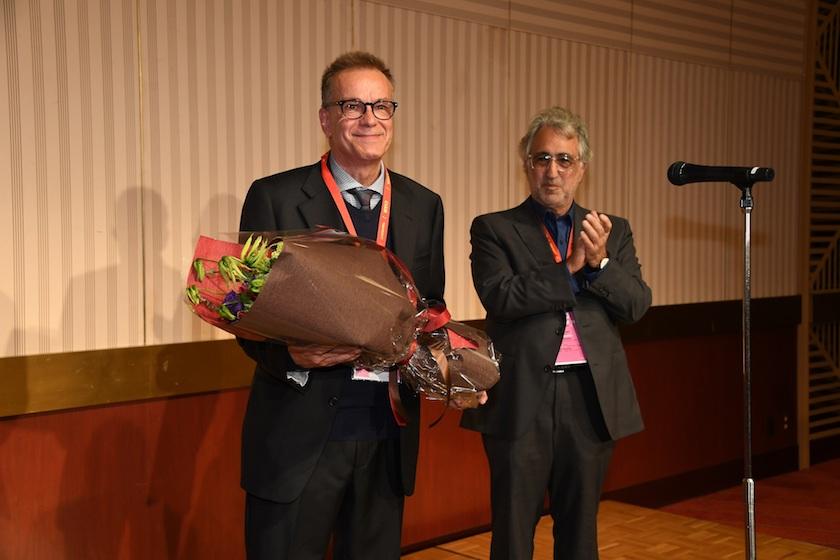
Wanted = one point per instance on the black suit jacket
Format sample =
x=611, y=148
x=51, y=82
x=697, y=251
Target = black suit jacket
x=286, y=426
x=525, y=294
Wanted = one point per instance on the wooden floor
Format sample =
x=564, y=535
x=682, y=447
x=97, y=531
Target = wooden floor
x=803, y=505
x=635, y=533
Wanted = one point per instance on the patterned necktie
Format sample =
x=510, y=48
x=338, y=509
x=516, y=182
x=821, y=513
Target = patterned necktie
x=363, y=196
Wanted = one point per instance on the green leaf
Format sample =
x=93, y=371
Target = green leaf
x=277, y=248
x=226, y=314
x=198, y=266
x=230, y=269
x=193, y=295
x=224, y=269
x=257, y=284
x=247, y=247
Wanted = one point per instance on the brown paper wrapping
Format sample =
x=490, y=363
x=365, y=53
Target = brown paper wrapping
x=329, y=288
x=340, y=293
x=442, y=370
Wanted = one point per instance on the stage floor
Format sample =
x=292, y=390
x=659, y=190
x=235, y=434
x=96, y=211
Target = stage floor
x=635, y=533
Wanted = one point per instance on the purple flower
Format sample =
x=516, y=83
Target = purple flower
x=233, y=303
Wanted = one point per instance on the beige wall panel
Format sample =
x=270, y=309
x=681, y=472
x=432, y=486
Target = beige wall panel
x=451, y=133
x=695, y=30
x=231, y=93
x=102, y=213
x=11, y=160
x=766, y=132
x=760, y=42
x=680, y=111
x=591, y=81
x=600, y=22
x=70, y=101
x=488, y=12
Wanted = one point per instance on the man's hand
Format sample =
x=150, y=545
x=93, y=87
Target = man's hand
x=578, y=258
x=593, y=238
x=311, y=356
x=460, y=402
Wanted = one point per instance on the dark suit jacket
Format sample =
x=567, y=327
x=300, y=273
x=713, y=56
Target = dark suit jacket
x=525, y=294
x=286, y=426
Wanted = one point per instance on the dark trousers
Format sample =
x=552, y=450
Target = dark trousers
x=352, y=496
x=566, y=451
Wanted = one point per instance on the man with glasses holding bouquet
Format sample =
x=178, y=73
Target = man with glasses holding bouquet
x=556, y=280
x=322, y=453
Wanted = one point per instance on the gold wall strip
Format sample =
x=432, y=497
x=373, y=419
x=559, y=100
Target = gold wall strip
x=77, y=379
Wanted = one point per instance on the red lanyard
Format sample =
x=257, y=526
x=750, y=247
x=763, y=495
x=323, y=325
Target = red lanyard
x=384, y=213
x=551, y=243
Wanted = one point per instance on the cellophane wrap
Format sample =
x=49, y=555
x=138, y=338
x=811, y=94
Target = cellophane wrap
x=454, y=361
x=325, y=288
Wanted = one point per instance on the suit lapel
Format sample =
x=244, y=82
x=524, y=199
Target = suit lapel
x=527, y=225
x=403, y=229
x=319, y=208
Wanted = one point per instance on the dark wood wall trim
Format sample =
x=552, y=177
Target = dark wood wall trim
x=77, y=379
x=664, y=322
x=712, y=318
x=49, y=382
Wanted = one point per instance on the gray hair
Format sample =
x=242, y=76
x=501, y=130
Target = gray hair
x=564, y=122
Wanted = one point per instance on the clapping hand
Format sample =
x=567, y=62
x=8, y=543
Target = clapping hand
x=593, y=237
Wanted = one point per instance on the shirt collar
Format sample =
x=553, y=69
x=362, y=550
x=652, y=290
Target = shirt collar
x=345, y=182
x=547, y=215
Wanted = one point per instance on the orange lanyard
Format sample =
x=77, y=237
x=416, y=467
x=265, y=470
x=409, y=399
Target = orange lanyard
x=551, y=243
x=384, y=213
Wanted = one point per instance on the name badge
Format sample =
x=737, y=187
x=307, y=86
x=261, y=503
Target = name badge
x=362, y=374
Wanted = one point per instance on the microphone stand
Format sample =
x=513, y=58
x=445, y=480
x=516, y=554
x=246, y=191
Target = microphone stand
x=746, y=204
x=680, y=173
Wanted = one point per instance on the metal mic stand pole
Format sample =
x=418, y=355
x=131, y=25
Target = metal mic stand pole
x=749, y=485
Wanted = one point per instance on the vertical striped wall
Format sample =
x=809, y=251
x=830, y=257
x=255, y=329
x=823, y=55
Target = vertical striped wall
x=229, y=93
x=452, y=133
x=128, y=127
x=70, y=224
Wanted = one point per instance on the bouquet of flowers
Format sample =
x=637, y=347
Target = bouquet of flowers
x=221, y=286
x=328, y=288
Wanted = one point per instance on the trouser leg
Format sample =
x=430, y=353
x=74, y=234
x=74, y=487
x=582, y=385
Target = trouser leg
x=369, y=521
x=519, y=474
x=583, y=451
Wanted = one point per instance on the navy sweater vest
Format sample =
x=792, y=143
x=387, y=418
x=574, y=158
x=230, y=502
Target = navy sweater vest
x=364, y=410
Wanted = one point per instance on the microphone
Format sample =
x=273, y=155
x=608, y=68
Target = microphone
x=681, y=173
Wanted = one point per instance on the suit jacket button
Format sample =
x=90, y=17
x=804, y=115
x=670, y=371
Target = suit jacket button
x=333, y=401
x=558, y=330
x=547, y=369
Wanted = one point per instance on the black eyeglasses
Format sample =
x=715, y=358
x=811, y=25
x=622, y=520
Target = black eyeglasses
x=383, y=109
x=542, y=160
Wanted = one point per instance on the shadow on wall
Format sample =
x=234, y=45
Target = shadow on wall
x=186, y=473
x=102, y=501
x=146, y=480
x=170, y=319
x=13, y=395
